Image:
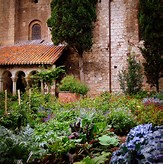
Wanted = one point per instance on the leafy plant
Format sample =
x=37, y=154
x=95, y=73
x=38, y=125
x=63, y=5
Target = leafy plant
x=131, y=78
x=141, y=94
x=159, y=96
x=70, y=83
x=149, y=114
x=15, y=119
x=80, y=131
x=121, y=120
x=15, y=147
x=98, y=159
x=143, y=145
x=108, y=140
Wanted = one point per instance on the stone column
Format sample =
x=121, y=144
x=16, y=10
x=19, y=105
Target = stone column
x=53, y=88
x=14, y=80
x=27, y=82
x=42, y=87
x=1, y=84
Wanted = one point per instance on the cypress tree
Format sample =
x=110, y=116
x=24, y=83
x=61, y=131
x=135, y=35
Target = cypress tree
x=151, y=32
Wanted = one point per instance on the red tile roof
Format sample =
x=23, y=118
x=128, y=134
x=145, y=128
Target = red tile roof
x=28, y=53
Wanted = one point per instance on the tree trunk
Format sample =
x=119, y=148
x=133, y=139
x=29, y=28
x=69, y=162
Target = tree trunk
x=81, y=68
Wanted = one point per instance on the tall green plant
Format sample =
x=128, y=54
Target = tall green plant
x=71, y=22
x=150, y=31
x=131, y=78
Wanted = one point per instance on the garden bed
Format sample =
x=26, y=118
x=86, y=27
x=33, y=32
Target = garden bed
x=43, y=130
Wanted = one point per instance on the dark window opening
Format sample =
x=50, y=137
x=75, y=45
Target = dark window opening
x=36, y=32
x=7, y=81
x=35, y=1
x=21, y=83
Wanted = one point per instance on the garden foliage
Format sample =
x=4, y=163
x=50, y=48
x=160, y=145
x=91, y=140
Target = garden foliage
x=48, y=76
x=121, y=120
x=15, y=147
x=131, y=78
x=41, y=129
x=74, y=85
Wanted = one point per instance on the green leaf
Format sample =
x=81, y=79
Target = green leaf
x=102, y=158
x=107, y=140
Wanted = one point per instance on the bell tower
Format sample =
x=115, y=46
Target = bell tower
x=31, y=18
x=23, y=20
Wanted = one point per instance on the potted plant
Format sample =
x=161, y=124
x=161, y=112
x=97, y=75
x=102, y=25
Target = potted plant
x=71, y=89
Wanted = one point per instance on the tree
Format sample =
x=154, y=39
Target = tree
x=131, y=78
x=150, y=31
x=71, y=22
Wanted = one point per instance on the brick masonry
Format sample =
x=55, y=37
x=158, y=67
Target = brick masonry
x=124, y=38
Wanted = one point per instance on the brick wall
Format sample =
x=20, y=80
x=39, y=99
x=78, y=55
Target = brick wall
x=7, y=21
x=124, y=37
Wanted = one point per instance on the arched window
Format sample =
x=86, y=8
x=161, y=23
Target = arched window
x=36, y=32
x=35, y=1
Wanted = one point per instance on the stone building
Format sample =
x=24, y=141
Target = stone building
x=25, y=42
x=116, y=33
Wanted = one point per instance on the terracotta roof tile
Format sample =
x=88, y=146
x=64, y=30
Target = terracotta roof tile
x=35, y=52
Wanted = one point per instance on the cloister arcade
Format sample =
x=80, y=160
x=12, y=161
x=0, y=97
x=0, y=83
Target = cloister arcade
x=19, y=78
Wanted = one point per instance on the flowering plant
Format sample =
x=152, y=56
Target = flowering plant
x=151, y=100
x=143, y=145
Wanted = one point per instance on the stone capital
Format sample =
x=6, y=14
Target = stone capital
x=14, y=79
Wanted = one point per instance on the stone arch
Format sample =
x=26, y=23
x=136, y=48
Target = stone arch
x=35, y=30
x=7, y=81
x=21, y=83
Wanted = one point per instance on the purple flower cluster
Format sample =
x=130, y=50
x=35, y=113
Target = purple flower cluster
x=74, y=135
x=47, y=118
x=144, y=144
x=152, y=100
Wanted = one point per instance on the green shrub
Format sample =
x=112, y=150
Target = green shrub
x=15, y=148
x=16, y=118
x=141, y=94
x=49, y=75
x=131, y=78
x=121, y=120
x=149, y=114
x=71, y=84
x=159, y=96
